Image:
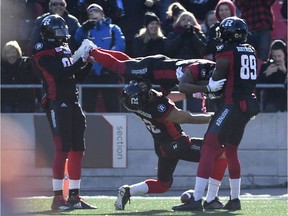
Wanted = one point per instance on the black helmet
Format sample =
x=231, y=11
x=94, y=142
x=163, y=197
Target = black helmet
x=54, y=28
x=232, y=29
x=135, y=94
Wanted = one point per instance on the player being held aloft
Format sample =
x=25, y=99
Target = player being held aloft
x=67, y=121
x=162, y=119
x=158, y=69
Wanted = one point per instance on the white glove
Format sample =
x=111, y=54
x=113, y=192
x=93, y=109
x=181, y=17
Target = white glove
x=214, y=86
x=179, y=73
x=85, y=47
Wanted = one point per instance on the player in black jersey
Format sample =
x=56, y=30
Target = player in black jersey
x=158, y=69
x=236, y=61
x=162, y=119
x=67, y=121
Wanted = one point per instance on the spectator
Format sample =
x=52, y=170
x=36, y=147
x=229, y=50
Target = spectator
x=187, y=40
x=63, y=111
x=150, y=40
x=209, y=21
x=274, y=71
x=132, y=21
x=199, y=8
x=172, y=14
x=55, y=7
x=101, y=32
x=17, y=69
x=224, y=9
x=171, y=144
x=259, y=17
x=227, y=126
x=111, y=9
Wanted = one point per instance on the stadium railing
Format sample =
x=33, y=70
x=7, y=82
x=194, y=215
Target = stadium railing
x=81, y=86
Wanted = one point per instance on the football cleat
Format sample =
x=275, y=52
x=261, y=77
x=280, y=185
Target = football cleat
x=60, y=204
x=233, y=205
x=214, y=204
x=86, y=47
x=78, y=203
x=191, y=205
x=123, y=197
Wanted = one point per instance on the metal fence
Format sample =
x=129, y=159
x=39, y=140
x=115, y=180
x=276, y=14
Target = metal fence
x=81, y=86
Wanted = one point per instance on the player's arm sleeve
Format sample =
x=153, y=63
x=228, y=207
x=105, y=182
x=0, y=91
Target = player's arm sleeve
x=187, y=84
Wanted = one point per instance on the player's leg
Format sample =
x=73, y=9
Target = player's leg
x=75, y=157
x=212, y=201
x=55, y=116
x=117, y=54
x=234, y=167
x=109, y=61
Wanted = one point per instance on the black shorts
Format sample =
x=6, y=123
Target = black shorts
x=68, y=123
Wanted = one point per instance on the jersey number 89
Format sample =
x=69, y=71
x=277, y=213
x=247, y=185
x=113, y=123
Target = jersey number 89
x=248, y=68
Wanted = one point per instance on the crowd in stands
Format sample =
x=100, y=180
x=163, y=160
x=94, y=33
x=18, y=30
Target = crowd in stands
x=181, y=29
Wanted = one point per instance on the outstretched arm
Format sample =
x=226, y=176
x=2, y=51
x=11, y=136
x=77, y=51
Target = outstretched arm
x=179, y=116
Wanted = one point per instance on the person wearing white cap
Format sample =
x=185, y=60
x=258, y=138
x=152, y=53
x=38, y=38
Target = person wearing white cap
x=104, y=34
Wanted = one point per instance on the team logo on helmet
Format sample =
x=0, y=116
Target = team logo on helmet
x=161, y=108
x=38, y=46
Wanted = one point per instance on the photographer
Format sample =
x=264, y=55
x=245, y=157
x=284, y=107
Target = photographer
x=106, y=35
x=187, y=40
x=274, y=71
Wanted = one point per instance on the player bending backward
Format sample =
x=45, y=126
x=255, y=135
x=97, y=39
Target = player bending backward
x=162, y=119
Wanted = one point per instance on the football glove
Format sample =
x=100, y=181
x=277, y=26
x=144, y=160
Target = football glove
x=214, y=86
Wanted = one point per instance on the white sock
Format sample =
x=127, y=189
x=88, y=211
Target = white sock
x=74, y=184
x=57, y=184
x=200, y=186
x=140, y=188
x=235, y=185
x=213, y=188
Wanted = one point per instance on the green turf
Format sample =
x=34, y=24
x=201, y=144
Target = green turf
x=150, y=206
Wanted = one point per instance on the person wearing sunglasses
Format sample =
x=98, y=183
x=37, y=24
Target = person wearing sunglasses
x=55, y=7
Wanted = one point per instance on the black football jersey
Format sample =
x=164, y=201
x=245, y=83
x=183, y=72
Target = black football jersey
x=58, y=71
x=154, y=114
x=242, y=74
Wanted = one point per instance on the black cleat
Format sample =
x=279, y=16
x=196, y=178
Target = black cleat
x=191, y=205
x=60, y=204
x=123, y=197
x=214, y=204
x=78, y=203
x=233, y=205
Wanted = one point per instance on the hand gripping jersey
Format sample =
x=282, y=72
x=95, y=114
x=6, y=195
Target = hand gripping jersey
x=242, y=74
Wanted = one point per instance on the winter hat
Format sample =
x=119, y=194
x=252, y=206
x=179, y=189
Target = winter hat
x=230, y=4
x=94, y=7
x=149, y=17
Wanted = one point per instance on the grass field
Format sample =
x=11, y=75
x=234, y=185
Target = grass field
x=272, y=206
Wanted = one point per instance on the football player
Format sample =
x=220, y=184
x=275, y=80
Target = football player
x=158, y=69
x=67, y=121
x=162, y=119
x=236, y=61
